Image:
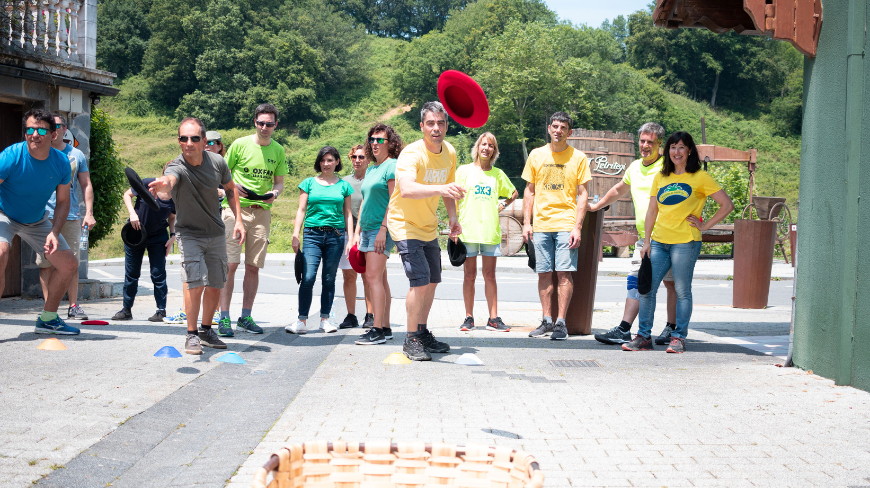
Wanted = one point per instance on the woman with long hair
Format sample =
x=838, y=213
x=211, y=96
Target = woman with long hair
x=673, y=234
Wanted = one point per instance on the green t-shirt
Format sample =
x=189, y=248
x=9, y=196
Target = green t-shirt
x=376, y=193
x=255, y=167
x=325, y=203
x=640, y=179
x=478, y=211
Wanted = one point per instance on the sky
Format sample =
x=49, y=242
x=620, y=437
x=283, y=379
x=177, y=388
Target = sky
x=594, y=12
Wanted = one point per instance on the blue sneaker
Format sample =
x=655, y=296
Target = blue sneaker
x=179, y=318
x=55, y=326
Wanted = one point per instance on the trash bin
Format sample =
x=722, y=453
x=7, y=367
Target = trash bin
x=753, y=261
x=579, y=316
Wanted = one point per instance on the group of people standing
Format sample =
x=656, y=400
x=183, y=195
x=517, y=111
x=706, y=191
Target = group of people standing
x=214, y=206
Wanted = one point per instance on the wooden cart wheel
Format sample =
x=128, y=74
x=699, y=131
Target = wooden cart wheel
x=511, y=235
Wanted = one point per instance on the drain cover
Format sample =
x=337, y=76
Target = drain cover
x=575, y=363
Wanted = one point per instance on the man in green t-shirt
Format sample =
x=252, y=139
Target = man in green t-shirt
x=638, y=179
x=258, y=165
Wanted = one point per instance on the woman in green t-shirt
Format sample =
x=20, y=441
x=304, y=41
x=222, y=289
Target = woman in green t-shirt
x=478, y=215
x=324, y=208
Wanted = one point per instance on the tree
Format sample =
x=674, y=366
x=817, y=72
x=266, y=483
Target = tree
x=405, y=19
x=107, y=174
x=122, y=35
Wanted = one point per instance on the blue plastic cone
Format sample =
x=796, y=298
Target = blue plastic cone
x=167, y=352
x=231, y=358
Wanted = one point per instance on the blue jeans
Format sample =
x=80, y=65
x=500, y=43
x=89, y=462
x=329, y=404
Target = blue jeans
x=133, y=267
x=317, y=245
x=680, y=259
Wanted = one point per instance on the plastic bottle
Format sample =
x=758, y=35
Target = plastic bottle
x=83, y=242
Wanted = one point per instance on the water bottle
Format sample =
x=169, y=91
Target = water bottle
x=83, y=242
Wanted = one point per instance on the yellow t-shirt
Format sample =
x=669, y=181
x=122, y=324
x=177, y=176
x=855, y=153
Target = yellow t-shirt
x=415, y=218
x=556, y=177
x=640, y=179
x=679, y=196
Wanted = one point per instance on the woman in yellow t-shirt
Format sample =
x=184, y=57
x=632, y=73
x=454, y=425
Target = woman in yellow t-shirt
x=478, y=215
x=673, y=230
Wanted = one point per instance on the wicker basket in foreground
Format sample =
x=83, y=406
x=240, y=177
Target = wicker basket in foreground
x=406, y=465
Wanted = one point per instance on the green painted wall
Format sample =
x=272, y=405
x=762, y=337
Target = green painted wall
x=832, y=308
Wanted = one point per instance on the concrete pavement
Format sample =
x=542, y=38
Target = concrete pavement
x=106, y=412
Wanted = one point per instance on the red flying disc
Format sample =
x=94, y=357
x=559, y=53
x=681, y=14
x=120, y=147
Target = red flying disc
x=357, y=259
x=463, y=98
x=94, y=322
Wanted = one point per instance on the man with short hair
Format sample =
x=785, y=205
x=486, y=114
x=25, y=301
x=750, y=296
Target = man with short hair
x=257, y=164
x=30, y=172
x=192, y=179
x=72, y=227
x=425, y=172
x=556, y=176
x=638, y=179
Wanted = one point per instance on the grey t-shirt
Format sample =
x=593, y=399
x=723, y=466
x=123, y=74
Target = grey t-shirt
x=356, y=196
x=195, y=193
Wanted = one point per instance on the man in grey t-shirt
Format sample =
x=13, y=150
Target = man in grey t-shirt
x=192, y=179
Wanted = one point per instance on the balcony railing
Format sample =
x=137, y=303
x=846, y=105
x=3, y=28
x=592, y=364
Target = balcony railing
x=43, y=28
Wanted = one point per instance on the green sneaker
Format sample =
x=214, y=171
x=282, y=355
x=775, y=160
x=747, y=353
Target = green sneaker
x=225, y=327
x=248, y=324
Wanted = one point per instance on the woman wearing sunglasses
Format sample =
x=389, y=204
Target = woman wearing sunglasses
x=324, y=209
x=383, y=145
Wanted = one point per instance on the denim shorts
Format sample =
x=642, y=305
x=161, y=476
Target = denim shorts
x=367, y=242
x=552, y=252
x=472, y=249
x=421, y=260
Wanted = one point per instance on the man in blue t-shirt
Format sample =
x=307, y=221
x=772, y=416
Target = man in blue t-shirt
x=30, y=172
x=80, y=179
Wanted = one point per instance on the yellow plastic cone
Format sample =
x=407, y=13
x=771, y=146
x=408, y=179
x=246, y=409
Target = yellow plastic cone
x=397, y=358
x=51, y=344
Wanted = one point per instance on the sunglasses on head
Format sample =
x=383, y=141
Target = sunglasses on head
x=213, y=142
x=261, y=123
x=39, y=130
x=192, y=138
x=379, y=140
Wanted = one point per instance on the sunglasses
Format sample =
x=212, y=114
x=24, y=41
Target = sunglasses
x=357, y=157
x=213, y=142
x=58, y=126
x=260, y=123
x=379, y=140
x=192, y=138
x=39, y=130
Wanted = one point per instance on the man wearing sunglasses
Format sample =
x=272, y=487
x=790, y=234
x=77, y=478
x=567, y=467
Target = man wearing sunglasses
x=192, y=179
x=257, y=164
x=30, y=172
x=80, y=180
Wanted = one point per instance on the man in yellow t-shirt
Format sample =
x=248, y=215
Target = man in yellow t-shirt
x=425, y=172
x=638, y=179
x=556, y=176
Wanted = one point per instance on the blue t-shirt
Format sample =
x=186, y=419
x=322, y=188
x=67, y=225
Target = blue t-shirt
x=78, y=163
x=29, y=182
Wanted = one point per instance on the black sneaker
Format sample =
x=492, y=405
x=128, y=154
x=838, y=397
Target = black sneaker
x=468, y=324
x=665, y=336
x=639, y=343
x=369, y=321
x=349, y=322
x=388, y=333
x=158, y=316
x=371, y=337
x=543, y=329
x=415, y=350
x=209, y=338
x=432, y=344
x=560, y=332
x=614, y=336
x=497, y=325
x=123, y=314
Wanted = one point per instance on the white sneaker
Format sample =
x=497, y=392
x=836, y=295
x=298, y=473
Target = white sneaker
x=297, y=327
x=327, y=326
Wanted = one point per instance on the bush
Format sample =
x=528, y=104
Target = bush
x=107, y=175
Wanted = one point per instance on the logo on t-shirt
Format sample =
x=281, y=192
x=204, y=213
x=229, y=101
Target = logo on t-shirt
x=436, y=176
x=552, y=177
x=674, y=193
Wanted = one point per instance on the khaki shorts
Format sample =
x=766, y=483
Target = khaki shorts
x=72, y=234
x=203, y=261
x=33, y=234
x=258, y=222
